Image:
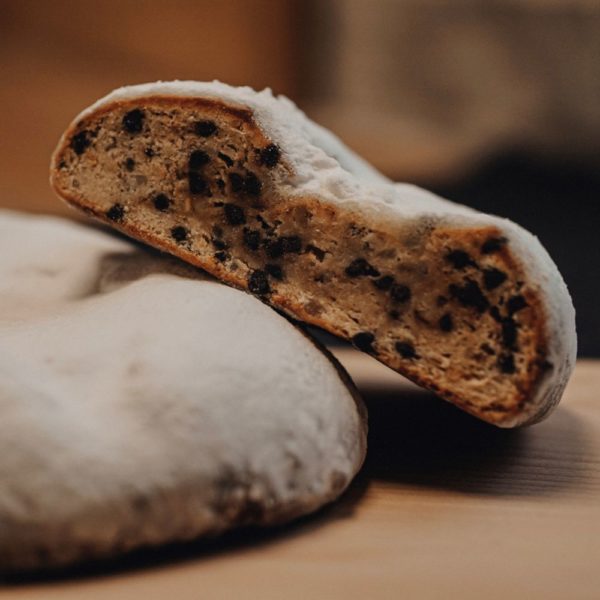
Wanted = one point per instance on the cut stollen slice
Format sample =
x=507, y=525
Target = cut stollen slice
x=245, y=186
x=143, y=402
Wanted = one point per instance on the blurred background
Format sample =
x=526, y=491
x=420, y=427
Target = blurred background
x=492, y=103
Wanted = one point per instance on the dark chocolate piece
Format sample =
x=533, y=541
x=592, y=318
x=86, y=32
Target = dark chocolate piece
x=179, y=233
x=406, y=350
x=234, y=214
x=496, y=314
x=133, y=121
x=226, y=159
x=506, y=362
x=493, y=245
x=116, y=212
x=459, y=259
x=400, y=292
x=80, y=142
x=509, y=333
x=364, y=341
x=291, y=243
x=384, y=283
x=469, y=295
x=318, y=253
x=237, y=182
x=515, y=304
x=130, y=164
x=359, y=267
x=205, y=128
x=149, y=152
x=198, y=158
x=197, y=184
x=274, y=271
x=492, y=278
x=269, y=156
x=446, y=323
x=251, y=239
x=219, y=244
x=221, y=256
x=274, y=248
x=252, y=184
x=161, y=202
x=258, y=283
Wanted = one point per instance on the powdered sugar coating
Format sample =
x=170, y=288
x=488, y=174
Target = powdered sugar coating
x=143, y=402
x=323, y=168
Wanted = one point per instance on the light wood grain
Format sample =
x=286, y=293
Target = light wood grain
x=445, y=507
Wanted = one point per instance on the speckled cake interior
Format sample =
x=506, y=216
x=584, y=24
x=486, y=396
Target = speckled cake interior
x=448, y=307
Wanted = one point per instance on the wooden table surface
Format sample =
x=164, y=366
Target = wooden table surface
x=445, y=507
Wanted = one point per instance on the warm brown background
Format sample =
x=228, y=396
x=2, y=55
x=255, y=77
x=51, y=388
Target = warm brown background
x=495, y=104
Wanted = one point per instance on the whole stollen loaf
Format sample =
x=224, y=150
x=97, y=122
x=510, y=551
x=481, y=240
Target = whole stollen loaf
x=142, y=402
x=243, y=185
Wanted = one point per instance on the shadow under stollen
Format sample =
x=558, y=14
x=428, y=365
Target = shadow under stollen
x=417, y=439
x=246, y=538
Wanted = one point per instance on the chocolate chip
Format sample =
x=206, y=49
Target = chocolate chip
x=80, y=142
x=237, y=182
x=219, y=244
x=496, y=314
x=258, y=283
x=263, y=223
x=205, y=128
x=234, y=214
x=252, y=184
x=133, y=121
x=291, y=244
x=359, y=267
x=149, y=152
x=493, y=245
x=406, y=350
x=317, y=252
x=226, y=159
x=274, y=248
x=470, y=295
x=400, y=292
x=515, y=304
x=251, y=239
x=197, y=184
x=116, y=212
x=394, y=314
x=364, y=341
x=274, y=271
x=384, y=283
x=446, y=323
x=179, y=233
x=198, y=158
x=130, y=164
x=509, y=333
x=487, y=349
x=269, y=156
x=459, y=259
x=161, y=202
x=506, y=362
x=221, y=256
x=492, y=278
